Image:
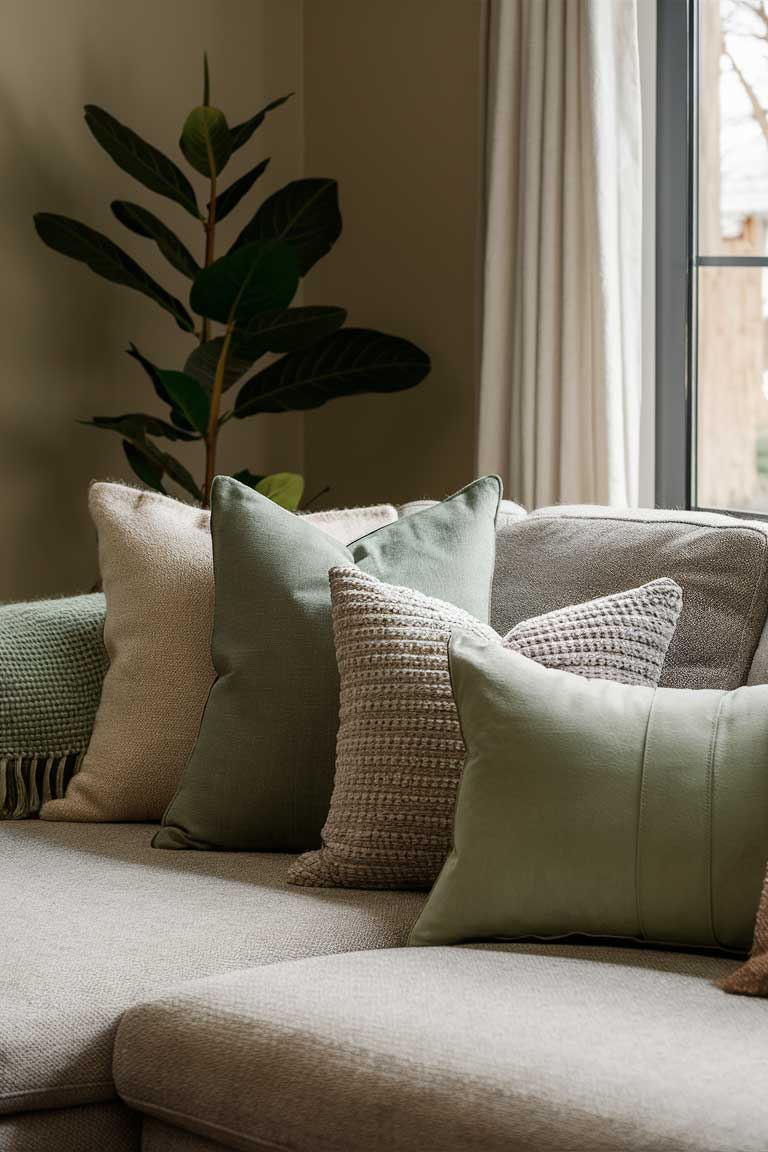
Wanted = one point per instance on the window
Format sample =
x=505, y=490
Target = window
x=713, y=184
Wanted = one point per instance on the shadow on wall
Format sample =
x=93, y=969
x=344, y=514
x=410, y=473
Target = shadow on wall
x=61, y=330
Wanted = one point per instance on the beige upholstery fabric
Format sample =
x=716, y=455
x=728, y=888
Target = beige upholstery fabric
x=93, y=920
x=400, y=750
x=109, y=1127
x=503, y=1048
x=752, y=978
x=157, y=1136
x=157, y=569
x=560, y=556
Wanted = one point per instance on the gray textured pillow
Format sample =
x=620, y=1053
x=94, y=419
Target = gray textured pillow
x=399, y=747
x=52, y=664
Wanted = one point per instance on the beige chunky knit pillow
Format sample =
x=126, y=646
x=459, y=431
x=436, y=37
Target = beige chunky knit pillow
x=399, y=748
x=156, y=565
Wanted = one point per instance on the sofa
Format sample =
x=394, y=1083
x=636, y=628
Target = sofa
x=189, y=1001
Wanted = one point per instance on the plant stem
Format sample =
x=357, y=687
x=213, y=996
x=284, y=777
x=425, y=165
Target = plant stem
x=210, y=242
x=213, y=419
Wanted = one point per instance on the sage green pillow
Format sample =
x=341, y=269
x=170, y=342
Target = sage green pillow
x=590, y=807
x=261, y=775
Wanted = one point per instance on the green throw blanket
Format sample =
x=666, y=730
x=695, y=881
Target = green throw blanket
x=52, y=664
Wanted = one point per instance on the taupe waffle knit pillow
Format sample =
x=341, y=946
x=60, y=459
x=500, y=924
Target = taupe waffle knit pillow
x=399, y=749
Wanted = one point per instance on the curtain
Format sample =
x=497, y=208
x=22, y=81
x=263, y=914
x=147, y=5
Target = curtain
x=560, y=385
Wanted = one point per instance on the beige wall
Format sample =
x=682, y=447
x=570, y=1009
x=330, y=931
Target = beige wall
x=64, y=330
x=392, y=109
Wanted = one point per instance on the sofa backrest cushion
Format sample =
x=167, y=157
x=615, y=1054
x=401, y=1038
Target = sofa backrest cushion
x=568, y=554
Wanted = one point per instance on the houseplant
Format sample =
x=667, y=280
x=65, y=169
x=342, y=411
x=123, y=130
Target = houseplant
x=239, y=303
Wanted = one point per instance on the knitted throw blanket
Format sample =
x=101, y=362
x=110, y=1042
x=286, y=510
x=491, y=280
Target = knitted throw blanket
x=52, y=663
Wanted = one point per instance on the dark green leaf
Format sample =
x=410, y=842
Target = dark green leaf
x=202, y=364
x=250, y=280
x=144, y=464
x=205, y=140
x=140, y=159
x=105, y=259
x=250, y=479
x=178, y=418
x=182, y=476
x=231, y=197
x=241, y=133
x=304, y=214
x=349, y=362
x=287, y=329
x=137, y=426
x=189, y=396
x=283, y=488
x=151, y=465
x=144, y=223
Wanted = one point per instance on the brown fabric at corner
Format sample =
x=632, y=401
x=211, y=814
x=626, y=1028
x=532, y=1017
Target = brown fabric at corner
x=752, y=978
x=561, y=556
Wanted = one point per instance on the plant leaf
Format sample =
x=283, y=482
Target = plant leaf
x=205, y=140
x=71, y=238
x=304, y=214
x=178, y=418
x=144, y=223
x=250, y=280
x=189, y=396
x=151, y=465
x=203, y=361
x=250, y=479
x=283, y=488
x=136, y=426
x=144, y=465
x=182, y=476
x=231, y=197
x=286, y=329
x=241, y=133
x=141, y=160
x=347, y=363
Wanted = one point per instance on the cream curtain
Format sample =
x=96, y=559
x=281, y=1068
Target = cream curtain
x=560, y=388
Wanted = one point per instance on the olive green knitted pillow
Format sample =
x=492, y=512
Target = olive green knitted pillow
x=52, y=663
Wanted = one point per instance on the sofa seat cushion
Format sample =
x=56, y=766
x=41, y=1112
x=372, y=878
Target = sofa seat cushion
x=94, y=920
x=566, y=555
x=470, y=1049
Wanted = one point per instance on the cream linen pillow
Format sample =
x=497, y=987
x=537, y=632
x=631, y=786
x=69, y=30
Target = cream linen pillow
x=157, y=569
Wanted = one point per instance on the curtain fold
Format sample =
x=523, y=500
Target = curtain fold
x=560, y=385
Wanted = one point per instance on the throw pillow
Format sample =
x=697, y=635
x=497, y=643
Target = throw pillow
x=157, y=571
x=601, y=809
x=399, y=748
x=751, y=979
x=52, y=663
x=261, y=775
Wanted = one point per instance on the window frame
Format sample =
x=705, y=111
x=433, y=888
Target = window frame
x=678, y=259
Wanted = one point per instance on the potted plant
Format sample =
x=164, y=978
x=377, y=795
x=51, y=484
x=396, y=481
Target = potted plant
x=239, y=304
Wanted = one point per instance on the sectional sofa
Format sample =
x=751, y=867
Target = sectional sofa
x=184, y=1001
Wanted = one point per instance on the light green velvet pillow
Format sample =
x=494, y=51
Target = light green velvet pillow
x=589, y=807
x=261, y=775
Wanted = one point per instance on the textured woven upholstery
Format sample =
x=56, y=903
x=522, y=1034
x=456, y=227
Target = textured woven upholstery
x=107, y=1127
x=565, y=555
x=93, y=920
x=516, y=1048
